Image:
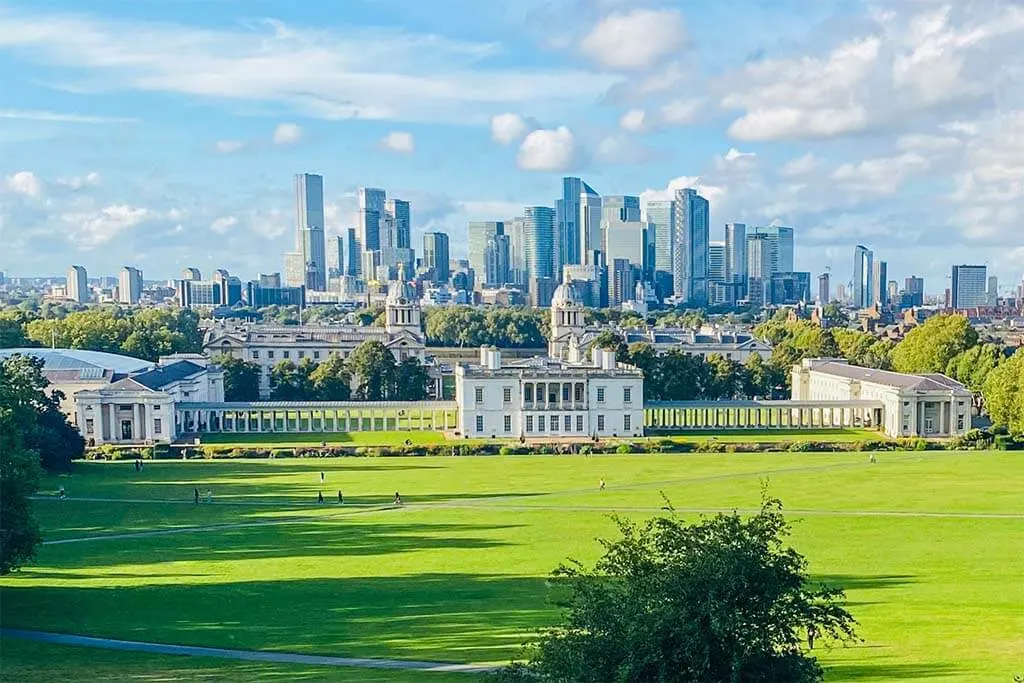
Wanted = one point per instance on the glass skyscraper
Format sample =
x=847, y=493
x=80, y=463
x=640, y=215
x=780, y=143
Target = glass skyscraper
x=538, y=241
x=479, y=233
x=661, y=216
x=863, y=266
x=435, y=255
x=371, y=212
x=968, y=287
x=690, y=262
x=309, y=222
x=567, y=217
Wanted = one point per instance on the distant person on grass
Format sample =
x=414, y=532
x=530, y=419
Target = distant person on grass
x=340, y=499
x=321, y=477
x=812, y=633
x=602, y=484
x=209, y=495
x=320, y=497
x=61, y=494
x=196, y=492
x=398, y=499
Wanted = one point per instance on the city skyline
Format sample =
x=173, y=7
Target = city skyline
x=854, y=142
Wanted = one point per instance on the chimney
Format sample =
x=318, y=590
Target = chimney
x=608, y=360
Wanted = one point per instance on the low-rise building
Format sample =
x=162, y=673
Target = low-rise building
x=549, y=397
x=930, y=405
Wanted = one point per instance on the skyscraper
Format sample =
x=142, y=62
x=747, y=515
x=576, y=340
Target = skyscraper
x=516, y=251
x=661, y=215
x=309, y=222
x=589, y=225
x=496, y=258
x=623, y=235
x=538, y=241
x=435, y=255
x=371, y=212
x=690, y=267
x=993, y=291
x=479, y=233
x=914, y=287
x=398, y=213
x=338, y=255
x=716, y=261
x=78, y=284
x=736, y=253
x=129, y=285
x=567, y=216
x=353, y=256
x=968, y=287
x=824, y=291
x=191, y=274
x=780, y=246
x=863, y=267
x=759, y=268
x=879, y=282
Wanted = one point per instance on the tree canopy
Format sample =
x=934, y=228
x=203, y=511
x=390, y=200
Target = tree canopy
x=720, y=599
x=1004, y=393
x=508, y=328
x=241, y=378
x=930, y=347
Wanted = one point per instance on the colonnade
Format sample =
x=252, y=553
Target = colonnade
x=555, y=395
x=697, y=415
x=316, y=417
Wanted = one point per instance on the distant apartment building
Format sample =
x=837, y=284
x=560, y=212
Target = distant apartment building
x=129, y=286
x=78, y=284
x=968, y=287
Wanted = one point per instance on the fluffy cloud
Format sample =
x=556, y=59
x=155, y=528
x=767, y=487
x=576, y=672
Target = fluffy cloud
x=223, y=224
x=287, y=134
x=94, y=228
x=228, y=146
x=547, y=150
x=25, y=183
x=400, y=142
x=633, y=120
x=880, y=176
x=715, y=194
x=735, y=160
x=508, y=128
x=800, y=166
x=91, y=179
x=635, y=40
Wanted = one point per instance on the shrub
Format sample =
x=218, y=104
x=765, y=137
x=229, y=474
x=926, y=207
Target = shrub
x=282, y=453
x=624, y=448
x=800, y=447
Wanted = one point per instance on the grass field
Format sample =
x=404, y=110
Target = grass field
x=928, y=546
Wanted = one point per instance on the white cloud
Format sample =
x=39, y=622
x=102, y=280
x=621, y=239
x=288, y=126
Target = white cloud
x=94, y=228
x=714, y=193
x=633, y=120
x=634, y=40
x=681, y=111
x=287, y=134
x=91, y=179
x=352, y=72
x=614, y=149
x=228, y=146
x=507, y=128
x=928, y=143
x=736, y=161
x=547, y=150
x=399, y=141
x=223, y=224
x=880, y=176
x=799, y=166
x=60, y=117
x=25, y=183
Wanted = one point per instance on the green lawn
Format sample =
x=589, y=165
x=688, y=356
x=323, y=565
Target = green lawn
x=928, y=546
x=775, y=435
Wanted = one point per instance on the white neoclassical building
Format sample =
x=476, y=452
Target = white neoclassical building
x=549, y=397
x=931, y=405
x=141, y=407
x=268, y=345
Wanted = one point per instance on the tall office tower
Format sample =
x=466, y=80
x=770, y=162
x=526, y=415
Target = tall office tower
x=894, y=292
x=661, y=215
x=589, y=225
x=968, y=287
x=336, y=261
x=879, y=281
x=824, y=290
x=229, y=288
x=622, y=282
x=780, y=246
x=759, y=267
x=567, y=216
x=191, y=274
x=398, y=213
x=353, y=255
x=78, y=284
x=369, y=263
x=479, y=233
x=993, y=291
x=129, y=285
x=294, y=269
x=271, y=280
x=690, y=267
x=435, y=255
x=309, y=222
x=538, y=241
x=841, y=296
x=496, y=259
x=914, y=287
x=736, y=252
x=863, y=266
x=371, y=213
x=716, y=261
x=516, y=251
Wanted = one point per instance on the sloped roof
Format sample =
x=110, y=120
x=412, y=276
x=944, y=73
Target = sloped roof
x=931, y=382
x=162, y=375
x=89, y=363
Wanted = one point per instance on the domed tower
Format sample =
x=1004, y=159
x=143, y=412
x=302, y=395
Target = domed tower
x=568, y=316
x=402, y=306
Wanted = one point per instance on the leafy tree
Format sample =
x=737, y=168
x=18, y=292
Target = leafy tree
x=930, y=347
x=373, y=371
x=720, y=599
x=972, y=367
x=609, y=341
x=834, y=315
x=504, y=327
x=682, y=376
x=1004, y=393
x=412, y=382
x=643, y=356
x=291, y=382
x=863, y=349
x=332, y=380
x=726, y=379
x=241, y=378
x=19, y=479
x=12, y=330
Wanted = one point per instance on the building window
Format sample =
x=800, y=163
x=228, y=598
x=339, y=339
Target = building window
x=600, y=423
x=124, y=407
x=255, y=355
x=567, y=423
x=529, y=423
x=286, y=354
x=316, y=355
x=959, y=423
x=627, y=394
x=566, y=392
x=540, y=423
x=579, y=423
x=578, y=393
x=600, y=394
x=156, y=407
x=508, y=424
x=302, y=354
x=187, y=394
x=88, y=425
x=627, y=421
x=506, y=394
x=479, y=423
x=478, y=394
x=270, y=354
x=158, y=426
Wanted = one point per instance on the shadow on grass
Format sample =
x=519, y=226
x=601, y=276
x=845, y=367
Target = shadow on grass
x=440, y=617
x=888, y=672
x=850, y=582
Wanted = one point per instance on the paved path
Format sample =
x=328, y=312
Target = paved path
x=246, y=655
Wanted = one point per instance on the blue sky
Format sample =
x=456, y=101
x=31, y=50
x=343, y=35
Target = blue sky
x=165, y=134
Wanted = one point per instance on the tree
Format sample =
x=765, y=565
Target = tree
x=332, y=380
x=726, y=379
x=721, y=599
x=1004, y=393
x=930, y=347
x=609, y=341
x=645, y=357
x=291, y=382
x=241, y=378
x=412, y=382
x=373, y=371
x=682, y=376
x=834, y=315
x=12, y=330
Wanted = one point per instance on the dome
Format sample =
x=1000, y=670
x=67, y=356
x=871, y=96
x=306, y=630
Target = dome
x=400, y=291
x=566, y=295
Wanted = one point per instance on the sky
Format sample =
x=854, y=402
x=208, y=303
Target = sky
x=165, y=133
